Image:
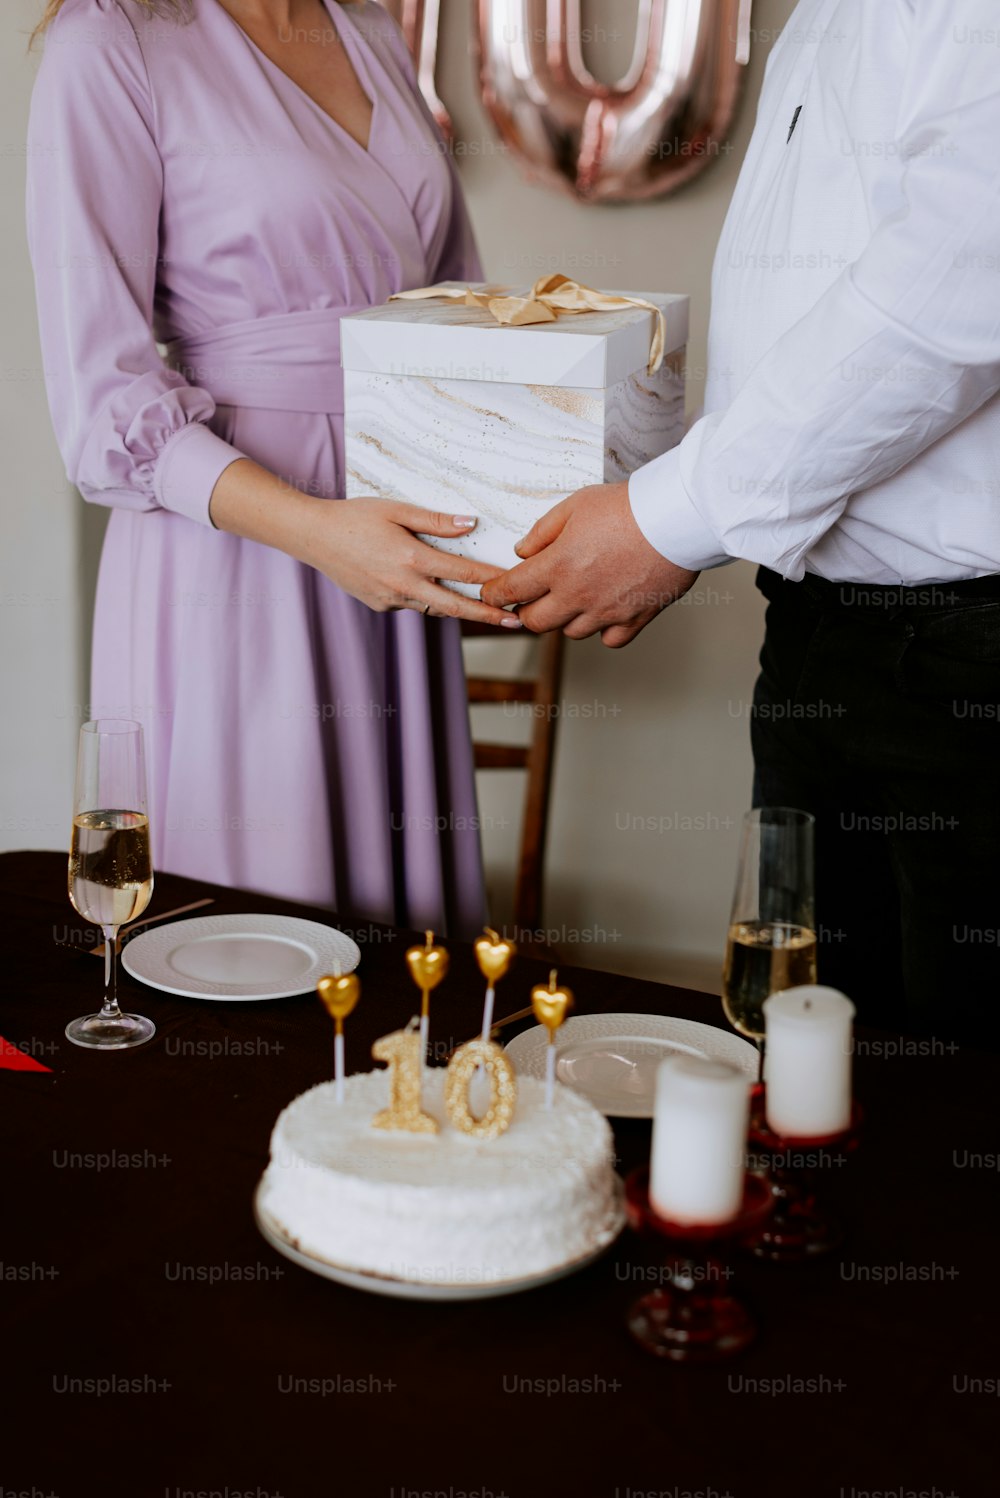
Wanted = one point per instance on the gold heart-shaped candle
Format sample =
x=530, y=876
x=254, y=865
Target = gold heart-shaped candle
x=551, y=1004
x=428, y=965
x=494, y=955
x=340, y=995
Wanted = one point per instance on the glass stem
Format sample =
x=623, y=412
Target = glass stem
x=110, y=1008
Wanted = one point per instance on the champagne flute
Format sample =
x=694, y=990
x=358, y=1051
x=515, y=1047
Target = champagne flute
x=772, y=928
x=110, y=865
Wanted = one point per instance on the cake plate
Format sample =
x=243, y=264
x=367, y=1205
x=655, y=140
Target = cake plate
x=383, y=1284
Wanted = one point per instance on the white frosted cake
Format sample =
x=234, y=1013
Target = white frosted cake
x=443, y=1208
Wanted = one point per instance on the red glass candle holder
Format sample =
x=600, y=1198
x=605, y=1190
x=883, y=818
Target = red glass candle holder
x=800, y=1226
x=696, y=1318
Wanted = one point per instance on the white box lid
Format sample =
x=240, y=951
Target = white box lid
x=449, y=341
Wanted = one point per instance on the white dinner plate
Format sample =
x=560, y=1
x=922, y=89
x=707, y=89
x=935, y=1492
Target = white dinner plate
x=239, y=957
x=612, y=1058
x=383, y=1284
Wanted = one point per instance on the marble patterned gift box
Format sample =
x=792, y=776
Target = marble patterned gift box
x=448, y=409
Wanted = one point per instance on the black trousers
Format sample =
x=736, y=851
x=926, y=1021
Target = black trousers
x=878, y=710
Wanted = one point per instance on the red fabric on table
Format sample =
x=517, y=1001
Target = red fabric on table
x=12, y=1058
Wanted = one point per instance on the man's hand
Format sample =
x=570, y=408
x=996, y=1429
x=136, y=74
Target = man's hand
x=589, y=568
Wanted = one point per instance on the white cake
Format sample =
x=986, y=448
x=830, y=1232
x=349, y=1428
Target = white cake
x=442, y=1208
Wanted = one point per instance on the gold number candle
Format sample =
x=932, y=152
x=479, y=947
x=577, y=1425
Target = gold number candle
x=428, y=965
x=551, y=1005
x=404, y=1052
x=340, y=995
x=462, y=1067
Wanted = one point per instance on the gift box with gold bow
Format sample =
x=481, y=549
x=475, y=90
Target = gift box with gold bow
x=496, y=402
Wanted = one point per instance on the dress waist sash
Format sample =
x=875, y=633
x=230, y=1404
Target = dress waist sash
x=290, y=362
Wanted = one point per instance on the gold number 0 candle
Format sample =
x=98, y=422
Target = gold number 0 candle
x=462, y=1067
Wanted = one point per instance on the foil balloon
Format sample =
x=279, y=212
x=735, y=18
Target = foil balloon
x=660, y=125
x=419, y=20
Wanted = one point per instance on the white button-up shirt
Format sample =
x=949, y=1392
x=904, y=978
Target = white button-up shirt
x=852, y=424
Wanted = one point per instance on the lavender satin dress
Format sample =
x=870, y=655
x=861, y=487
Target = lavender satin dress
x=184, y=191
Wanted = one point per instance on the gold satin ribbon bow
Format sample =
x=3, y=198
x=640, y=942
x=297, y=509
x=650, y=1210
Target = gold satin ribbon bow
x=551, y=297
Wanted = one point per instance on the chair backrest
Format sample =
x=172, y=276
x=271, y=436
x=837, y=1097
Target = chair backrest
x=536, y=758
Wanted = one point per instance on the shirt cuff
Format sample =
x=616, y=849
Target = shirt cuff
x=188, y=470
x=669, y=521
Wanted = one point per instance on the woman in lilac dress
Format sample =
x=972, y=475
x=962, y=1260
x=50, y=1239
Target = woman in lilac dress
x=226, y=178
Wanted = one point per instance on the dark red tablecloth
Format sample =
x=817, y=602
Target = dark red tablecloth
x=868, y=1376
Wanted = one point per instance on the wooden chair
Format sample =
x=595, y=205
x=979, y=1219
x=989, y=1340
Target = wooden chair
x=542, y=691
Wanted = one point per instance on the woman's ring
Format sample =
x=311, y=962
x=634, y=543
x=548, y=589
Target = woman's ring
x=426, y=608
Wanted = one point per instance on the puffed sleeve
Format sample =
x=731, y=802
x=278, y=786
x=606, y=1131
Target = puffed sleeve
x=132, y=432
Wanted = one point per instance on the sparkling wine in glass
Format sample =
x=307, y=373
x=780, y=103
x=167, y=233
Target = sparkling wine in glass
x=110, y=865
x=772, y=930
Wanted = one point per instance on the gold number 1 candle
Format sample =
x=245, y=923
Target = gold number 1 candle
x=404, y=1052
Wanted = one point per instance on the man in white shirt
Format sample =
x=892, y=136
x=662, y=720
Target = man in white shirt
x=851, y=447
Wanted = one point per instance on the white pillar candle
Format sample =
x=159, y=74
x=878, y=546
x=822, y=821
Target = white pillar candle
x=699, y=1140
x=808, y=1048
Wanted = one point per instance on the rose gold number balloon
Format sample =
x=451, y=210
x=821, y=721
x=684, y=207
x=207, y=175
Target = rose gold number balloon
x=661, y=125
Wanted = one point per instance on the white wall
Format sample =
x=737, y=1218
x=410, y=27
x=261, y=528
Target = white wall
x=664, y=739
x=42, y=649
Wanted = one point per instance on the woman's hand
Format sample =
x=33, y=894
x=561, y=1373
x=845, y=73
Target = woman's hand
x=368, y=547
